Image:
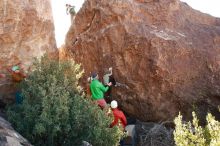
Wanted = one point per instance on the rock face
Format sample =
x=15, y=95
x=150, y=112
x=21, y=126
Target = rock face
x=9, y=137
x=167, y=53
x=26, y=31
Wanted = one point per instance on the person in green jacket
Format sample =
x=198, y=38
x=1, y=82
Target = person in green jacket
x=98, y=90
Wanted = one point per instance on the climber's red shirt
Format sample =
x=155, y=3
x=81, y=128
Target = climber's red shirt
x=118, y=117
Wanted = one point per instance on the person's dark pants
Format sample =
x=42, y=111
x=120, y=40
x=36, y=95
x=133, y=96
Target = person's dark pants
x=112, y=80
x=122, y=142
x=109, y=92
x=18, y=97
x=108, y=95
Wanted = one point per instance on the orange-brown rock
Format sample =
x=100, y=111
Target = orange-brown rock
x=26, y=31
x=167, y=53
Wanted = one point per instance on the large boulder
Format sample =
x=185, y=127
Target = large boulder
x=26, y=31
x=9, y=137
x=166, y=53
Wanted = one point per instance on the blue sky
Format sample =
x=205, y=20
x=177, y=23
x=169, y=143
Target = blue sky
x=62, y=21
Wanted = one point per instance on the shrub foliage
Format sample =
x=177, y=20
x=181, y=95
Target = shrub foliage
x=191, y=134
x=55, y=113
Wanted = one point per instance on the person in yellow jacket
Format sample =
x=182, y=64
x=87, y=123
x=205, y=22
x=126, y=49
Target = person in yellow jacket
x=98, y=90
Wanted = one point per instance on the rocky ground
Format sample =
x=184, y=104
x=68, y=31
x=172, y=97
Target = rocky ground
x=9, y=137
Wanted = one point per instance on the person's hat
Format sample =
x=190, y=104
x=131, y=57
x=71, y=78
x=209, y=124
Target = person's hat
x=14, y=68
x=94, y=75
x=114, y=104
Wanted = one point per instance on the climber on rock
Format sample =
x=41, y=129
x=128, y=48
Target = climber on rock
x=70, y=10
x=108, y=77
x=17, y=75
x=98, y=90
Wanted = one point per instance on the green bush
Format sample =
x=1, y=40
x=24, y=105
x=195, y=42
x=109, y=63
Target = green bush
x=213, y=128
x=191, y=134
x=55, y=113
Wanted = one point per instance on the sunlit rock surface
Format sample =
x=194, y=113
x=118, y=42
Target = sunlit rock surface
x=26, y=31
x=167, y=53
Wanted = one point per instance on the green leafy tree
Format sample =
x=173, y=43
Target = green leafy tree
x=55, y=113
x=192, y=134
